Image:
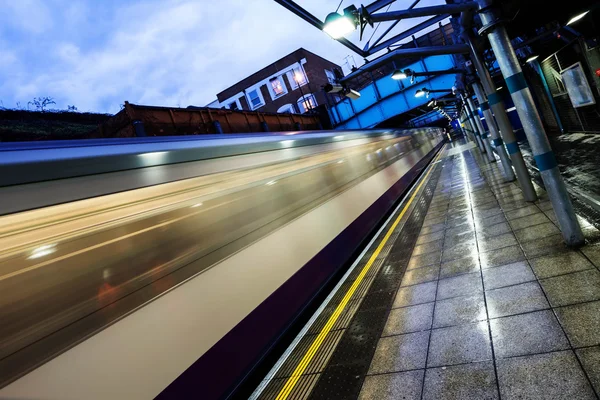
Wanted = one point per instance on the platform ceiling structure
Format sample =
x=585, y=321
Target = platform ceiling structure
x=382, y=43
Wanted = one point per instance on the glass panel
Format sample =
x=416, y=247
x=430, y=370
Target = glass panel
x=277, y=86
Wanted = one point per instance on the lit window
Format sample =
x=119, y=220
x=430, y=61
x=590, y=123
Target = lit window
x=330, y=76
x=233, y=106
x=277, y=86
x=307, y=102
x=255, y=99
x=298, y=77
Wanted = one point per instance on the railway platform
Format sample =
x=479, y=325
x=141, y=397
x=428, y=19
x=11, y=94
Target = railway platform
x=466, y=292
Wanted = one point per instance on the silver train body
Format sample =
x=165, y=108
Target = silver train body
x=157, y=268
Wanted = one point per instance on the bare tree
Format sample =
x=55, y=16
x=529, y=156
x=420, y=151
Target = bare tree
x=40, y=103
x=71, y=109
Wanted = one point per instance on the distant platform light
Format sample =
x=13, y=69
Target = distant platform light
x=532, y=58
x=398, y=74
x=577, y=18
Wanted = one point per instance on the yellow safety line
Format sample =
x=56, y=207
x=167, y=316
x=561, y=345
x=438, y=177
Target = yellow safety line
x=293, y=379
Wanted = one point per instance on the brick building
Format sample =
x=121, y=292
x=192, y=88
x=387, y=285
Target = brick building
x=292, y=84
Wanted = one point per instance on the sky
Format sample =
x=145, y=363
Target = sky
x=95, y=54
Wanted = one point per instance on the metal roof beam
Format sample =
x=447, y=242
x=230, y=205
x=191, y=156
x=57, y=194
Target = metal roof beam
x=314, y=21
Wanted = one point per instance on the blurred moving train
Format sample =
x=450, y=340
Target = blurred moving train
x=160, y=266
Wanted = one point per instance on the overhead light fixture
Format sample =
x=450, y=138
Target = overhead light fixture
x=577, y=18
x=500, y=88
x=532, y=58
x=338, y=26
x=422, y=92
x=398, y=74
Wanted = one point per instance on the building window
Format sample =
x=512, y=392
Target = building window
x=277, y=86
x=306, y=103
x=330, y=76
x=286, y=109
x=255, y=100
x=297, y=77
x=233, y=106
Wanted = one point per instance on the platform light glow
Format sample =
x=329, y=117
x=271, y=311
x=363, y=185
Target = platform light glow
x=532, y=58
x=271, y=183
x=577, y=18
x=340, y=162
x=196, y=205
x=338, y=137
x=398, y=75
x=338, y=26
x=42, y=251
x=287, y=143
x=500, y=88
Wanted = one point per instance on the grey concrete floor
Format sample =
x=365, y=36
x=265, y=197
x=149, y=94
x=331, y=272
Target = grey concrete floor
x=492, y=305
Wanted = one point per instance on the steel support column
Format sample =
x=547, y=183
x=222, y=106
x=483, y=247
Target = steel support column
x=532, y=124
x=496, y=141
x=506, y=131
x=482, y=133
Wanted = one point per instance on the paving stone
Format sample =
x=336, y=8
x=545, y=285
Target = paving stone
x=424, y=260
x=416, y=294
x=581, y=322
x=400, y=353
x=572, y=288
x=434, y=221
x=530, y=220
x=466, y=382
x=403, y=385
x=543, y=376
x=420, y=275
x=459, y=251
x=559, y=264
x=461, y=285
x=503, y=256
x=593, y=253
x=590, y=359
x=459, y=266
x=431, y=237
x=489, y=221
x=431, y=247
x=515, y=299
x=493, y=230
x=521, y=212
x=454, y=240
x=432, y=228
x=536, y=332
x=459, y=310
x=507, y=275
x=497, y=242
x=409, y=319
x=459, y=344
x=552, y=244
x=536, y=232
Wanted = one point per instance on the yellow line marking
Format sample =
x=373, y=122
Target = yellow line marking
x=293, y=379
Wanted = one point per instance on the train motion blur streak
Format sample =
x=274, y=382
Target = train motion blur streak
x=70, y=270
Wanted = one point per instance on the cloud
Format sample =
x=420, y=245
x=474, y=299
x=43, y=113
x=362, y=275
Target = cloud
x=171, y=52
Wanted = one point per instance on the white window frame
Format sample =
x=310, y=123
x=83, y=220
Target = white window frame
x=287, y=108
x=330, y=76
x=301, y=100
x=237, y=102
x=293, y=83
x=260, y=96
x=272, y=91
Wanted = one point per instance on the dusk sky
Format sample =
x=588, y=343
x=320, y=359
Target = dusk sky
x=97, y=54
